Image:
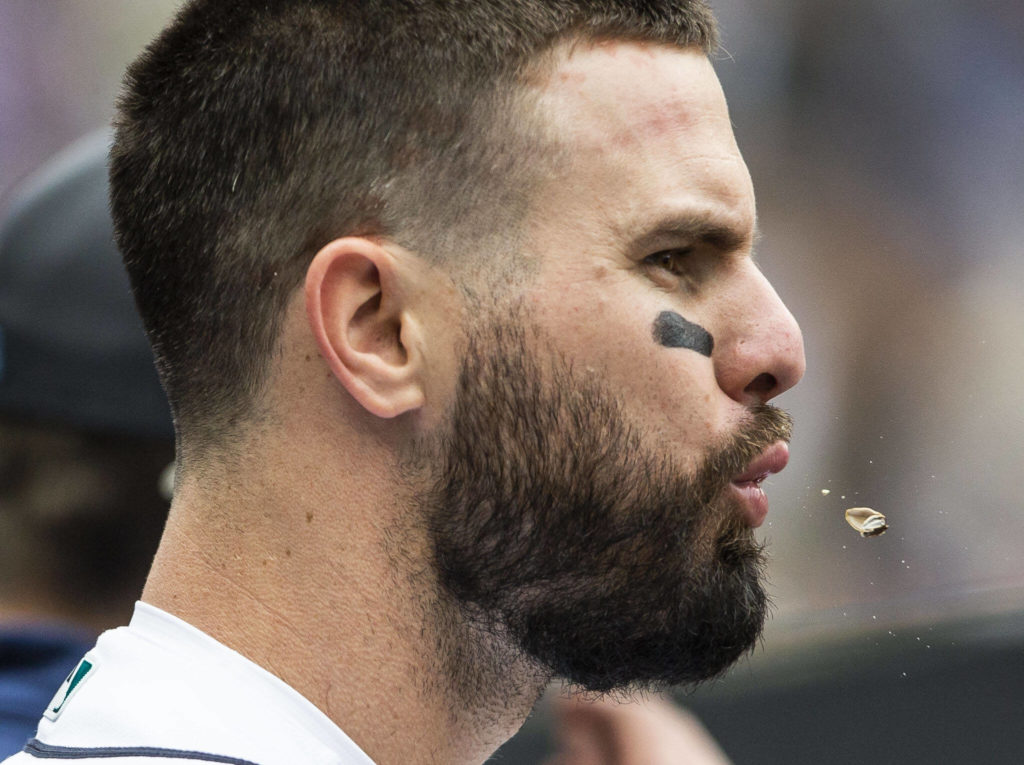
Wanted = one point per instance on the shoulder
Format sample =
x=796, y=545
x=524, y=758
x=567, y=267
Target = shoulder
x=162, y=690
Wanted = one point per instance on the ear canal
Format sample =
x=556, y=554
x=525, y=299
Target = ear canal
x=373, y=331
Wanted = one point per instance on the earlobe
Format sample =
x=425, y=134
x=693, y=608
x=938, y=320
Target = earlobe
x=355, y=308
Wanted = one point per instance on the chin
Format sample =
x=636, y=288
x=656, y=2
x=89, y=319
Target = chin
x=670, y=628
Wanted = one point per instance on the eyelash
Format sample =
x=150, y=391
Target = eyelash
x=672, y=261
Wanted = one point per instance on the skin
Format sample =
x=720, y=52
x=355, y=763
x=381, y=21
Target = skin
x=650, y=135
x=298, y=550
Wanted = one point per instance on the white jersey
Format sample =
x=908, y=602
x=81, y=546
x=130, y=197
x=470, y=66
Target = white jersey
x=162, y=690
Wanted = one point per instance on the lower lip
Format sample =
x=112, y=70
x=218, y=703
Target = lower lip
x=753, y=501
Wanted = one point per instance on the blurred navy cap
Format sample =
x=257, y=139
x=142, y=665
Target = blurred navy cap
x=72, y=348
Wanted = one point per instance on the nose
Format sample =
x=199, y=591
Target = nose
x=759, y=350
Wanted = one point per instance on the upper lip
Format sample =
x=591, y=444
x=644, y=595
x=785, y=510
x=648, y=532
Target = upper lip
x=771, y=460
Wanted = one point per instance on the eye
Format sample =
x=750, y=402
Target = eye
x=673, y=261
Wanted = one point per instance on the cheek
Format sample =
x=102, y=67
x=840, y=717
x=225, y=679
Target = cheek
x=672, y=392
x=669, y=392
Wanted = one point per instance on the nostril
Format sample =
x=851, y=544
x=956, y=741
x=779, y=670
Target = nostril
x=762, y=386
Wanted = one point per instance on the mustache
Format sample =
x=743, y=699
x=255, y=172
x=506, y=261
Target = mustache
x=765, y=425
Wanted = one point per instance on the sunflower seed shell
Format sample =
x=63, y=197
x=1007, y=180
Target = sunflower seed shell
x=870, y=523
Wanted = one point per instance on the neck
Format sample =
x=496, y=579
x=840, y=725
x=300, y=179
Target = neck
x=332, y=593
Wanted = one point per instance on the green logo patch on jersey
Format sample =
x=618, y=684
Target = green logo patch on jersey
x=68, y=688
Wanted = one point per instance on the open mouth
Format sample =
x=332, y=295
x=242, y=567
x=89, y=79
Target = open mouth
x=748, y=483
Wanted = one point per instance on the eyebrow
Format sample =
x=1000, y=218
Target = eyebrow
x=695, y=228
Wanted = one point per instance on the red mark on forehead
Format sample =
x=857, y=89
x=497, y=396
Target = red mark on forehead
x=649, y=122
x=572, y=76
x=630, y=96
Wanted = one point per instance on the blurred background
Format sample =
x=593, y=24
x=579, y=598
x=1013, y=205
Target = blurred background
x=886, y=142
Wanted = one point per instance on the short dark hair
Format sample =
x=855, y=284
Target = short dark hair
x=250, y=133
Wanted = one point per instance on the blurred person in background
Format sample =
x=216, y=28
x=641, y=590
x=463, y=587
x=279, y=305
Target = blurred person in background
x=85, y=434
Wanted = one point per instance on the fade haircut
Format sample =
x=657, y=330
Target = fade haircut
x=252, y=132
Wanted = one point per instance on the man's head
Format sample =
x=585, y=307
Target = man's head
x=524, y=232
x=251, y=133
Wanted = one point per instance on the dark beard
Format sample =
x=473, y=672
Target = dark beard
x=556, y=528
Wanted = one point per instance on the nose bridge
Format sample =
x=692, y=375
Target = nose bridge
x=761, y=352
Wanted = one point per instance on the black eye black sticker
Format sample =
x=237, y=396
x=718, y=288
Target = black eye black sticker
x=673, y=331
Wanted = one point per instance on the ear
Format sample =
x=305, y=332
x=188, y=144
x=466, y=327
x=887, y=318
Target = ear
x=354, y=304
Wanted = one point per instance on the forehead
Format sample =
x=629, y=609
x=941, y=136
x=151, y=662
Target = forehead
x=645, y=134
